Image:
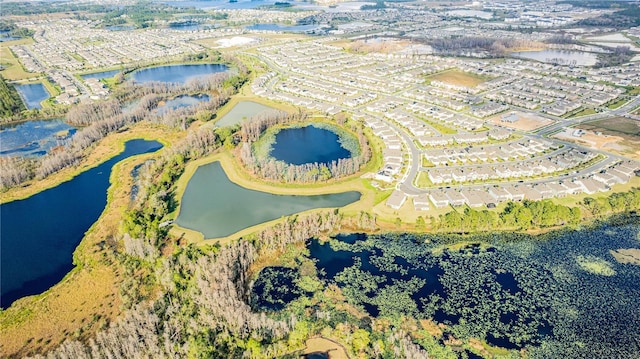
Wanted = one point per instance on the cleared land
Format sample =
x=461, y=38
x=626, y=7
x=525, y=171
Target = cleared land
x=628, y=130
x=589, y=138
x=525, y=121
x=459, y=78
x=322, y=345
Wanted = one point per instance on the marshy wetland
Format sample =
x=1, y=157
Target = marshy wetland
x=558, y=293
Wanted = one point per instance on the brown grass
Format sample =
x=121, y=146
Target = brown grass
x=459, y=78
x=334, y=349
x=631, y=255
x=624, y=129
x=526, y=121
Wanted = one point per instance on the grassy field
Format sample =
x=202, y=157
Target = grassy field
x=584, y=112
x=616, y=104
x=88, y=297
x=423, y=180
x=459, y=78
x=14, y=70
x=440, y=128
x=616, y=126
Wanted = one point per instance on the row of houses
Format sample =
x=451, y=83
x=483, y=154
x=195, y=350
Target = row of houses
x=560, y=162
x=503, y=152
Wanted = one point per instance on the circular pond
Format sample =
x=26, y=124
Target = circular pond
x=309, y=144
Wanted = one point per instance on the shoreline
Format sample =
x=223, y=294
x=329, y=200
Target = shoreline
x=104, y=150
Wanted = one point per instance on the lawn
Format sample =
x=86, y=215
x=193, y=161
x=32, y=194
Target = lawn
x=423, y=180
x=584, y=112
x=616, y=104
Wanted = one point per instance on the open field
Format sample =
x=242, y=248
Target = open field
x=13, y=70
x=626, y=129
x=525, y=122
x=88, y=297
x=459, y=78
x=589, y=138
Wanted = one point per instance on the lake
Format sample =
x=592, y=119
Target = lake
x=562, y=293
x=283, y=28
x=217, y=207
x=176, y=73
x=33, y=138
x=33, y=94
x=39, y=234
x=307, y=144
x=181, y=101
x=560, y=57
x=220, y=4
x=243, y=110
x=100, y=75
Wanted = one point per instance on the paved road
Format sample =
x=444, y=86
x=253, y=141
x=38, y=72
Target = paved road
x=406, y=183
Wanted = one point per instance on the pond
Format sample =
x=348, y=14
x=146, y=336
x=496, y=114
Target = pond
x=120, y=28
x=33, y=94
x=309, y=144
x=283, y=28
x=217, y=207
x=33, y=138
x=100, y=75
x=274, y=288
x=220, y=4
x=39, y=234
x=176, y=73
x=243, y=110
x=181, y=101
x=559, y=293
x=560, y=57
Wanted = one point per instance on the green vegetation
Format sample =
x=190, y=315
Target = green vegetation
x=10, y=102
x=528, y=215
x=595, y=265
x=142, y=14
x=440, y=128
x=583, y=112
x=379, y=4
x=614, y=105
x=491, y=295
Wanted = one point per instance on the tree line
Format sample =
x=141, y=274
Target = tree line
x=267, y=167
x=533, y=214
x=464, y=45
x=10, y=102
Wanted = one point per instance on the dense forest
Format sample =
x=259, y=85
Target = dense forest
x=464, y=45
x=10, y=102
